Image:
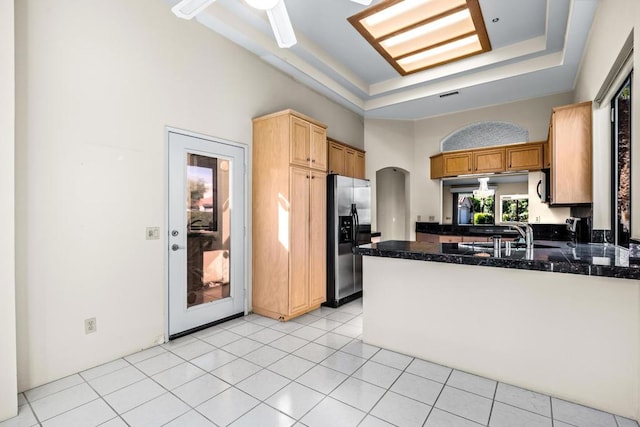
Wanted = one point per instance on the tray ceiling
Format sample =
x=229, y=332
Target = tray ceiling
x=537, y=49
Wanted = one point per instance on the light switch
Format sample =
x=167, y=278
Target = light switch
x=153, y=233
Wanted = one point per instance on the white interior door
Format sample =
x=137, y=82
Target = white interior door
x=206, y=242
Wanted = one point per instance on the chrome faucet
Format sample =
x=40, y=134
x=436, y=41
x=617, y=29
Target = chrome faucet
x=525, y=230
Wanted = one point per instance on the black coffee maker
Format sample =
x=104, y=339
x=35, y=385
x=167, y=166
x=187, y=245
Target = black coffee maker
x=579, y=229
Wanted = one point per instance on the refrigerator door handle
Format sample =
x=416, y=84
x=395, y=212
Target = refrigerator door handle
x=355, y=227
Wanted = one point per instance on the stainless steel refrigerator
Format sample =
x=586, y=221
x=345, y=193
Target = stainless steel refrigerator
x=348, y=225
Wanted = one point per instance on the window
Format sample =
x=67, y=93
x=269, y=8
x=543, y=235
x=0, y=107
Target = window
x=514, y=208
x=621, y=167
x=472, y=210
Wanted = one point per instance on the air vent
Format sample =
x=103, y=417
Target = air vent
x=444, y=95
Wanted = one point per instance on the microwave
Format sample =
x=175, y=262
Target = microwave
x=544, y=186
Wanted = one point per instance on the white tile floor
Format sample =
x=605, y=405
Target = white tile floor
x=311, y=371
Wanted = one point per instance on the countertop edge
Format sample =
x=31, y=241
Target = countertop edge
x=532, y=265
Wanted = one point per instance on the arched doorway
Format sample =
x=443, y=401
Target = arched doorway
x=392, y=203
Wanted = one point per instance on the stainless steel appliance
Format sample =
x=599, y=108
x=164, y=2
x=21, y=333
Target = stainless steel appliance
x=544, y=186
x=348, y=225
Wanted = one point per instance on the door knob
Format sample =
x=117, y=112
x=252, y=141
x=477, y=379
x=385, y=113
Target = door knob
x=175, y=247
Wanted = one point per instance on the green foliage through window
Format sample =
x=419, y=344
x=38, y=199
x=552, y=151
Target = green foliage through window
x=514, y=208
x=473, y=210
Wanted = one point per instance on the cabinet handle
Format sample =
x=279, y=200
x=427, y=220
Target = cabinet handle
x=313, y=161
x=307, y=176
x=308, y=159
x=313, y=177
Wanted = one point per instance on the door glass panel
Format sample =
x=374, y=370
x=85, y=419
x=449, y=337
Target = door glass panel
x=622, y=165
x=208, y=227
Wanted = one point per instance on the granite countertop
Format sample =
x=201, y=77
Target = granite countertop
x=594, y=259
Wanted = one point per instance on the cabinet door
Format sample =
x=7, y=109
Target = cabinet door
x=450, y=239
x=475, y=239
x=437, y=170
x=485, y=161
x=318, y=148
x=546, y=157
x=299, y=142
x=349, y=162
x=318, y=239
x=336, y=158
x=298, y=239
x=360, y=166
x=427, y=238
x=457, y=163
x=525, y=157
x=571, y=170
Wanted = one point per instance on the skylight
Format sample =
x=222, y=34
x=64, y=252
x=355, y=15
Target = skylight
x=413, y=35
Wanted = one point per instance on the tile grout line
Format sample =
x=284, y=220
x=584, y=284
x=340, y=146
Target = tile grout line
x=493, y=402
x=439, y=394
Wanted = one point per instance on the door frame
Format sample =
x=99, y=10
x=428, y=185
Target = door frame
x=165, y=240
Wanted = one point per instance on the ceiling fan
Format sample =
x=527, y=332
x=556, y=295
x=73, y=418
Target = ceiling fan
x=276, y=11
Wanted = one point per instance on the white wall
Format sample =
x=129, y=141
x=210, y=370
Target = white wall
x=533, y=115
x=391, y=205
x=98, y=83
x=8, y=384
x=614, y=21
x=389, y=143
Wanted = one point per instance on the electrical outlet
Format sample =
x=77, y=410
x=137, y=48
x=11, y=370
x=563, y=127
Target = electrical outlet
x=90, y=325
x=153, y=233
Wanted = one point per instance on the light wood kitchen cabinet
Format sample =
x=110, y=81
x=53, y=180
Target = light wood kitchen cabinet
x=349, y=162
x=346, y=160
x=571, y=154
x=476, y=239
x=525, y=157
x=449, y=238
x=546, y=157
x=336, y=158
x=505, y=158
x=437, y=238
x=318, y=238
x=360, y=166
x=486, y=161
x=289, y=220
x=457, y=163
x=308, y=144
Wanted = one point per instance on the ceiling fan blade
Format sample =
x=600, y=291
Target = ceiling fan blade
x=281, y=25
x=364, y=2
x=187, y=9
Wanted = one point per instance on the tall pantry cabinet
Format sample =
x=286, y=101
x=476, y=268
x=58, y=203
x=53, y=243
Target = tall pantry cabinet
x=289, y=214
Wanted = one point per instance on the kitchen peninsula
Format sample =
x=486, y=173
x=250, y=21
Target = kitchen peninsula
x=562, y=320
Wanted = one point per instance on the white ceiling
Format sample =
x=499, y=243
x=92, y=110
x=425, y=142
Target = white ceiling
x=537, y=48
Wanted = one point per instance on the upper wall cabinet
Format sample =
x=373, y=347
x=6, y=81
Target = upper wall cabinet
x=488, y=161
x=504, y=158
x=570, y=152
x=525, y=157
x=308, y=144
x=346, y=160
